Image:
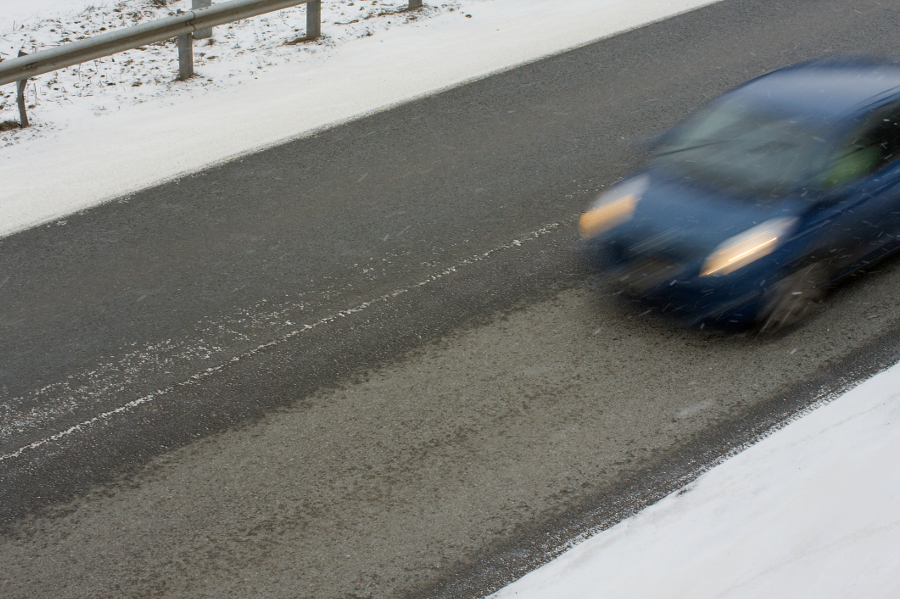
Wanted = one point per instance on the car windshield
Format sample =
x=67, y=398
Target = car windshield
x=735, y=146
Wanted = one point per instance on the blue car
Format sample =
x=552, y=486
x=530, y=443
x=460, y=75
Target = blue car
x=748, y=211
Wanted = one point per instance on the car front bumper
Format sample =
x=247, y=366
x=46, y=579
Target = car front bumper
x=676, y=287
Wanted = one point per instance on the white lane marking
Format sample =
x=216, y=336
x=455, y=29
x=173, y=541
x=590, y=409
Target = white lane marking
x=515, y=243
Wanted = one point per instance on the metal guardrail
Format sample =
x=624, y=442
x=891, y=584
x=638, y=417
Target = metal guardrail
x=182, y=26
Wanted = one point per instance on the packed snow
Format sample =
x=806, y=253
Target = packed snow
x=810, y=511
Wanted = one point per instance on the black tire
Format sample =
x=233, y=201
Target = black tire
x=791, y=299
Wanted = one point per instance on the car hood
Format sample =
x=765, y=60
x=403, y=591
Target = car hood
x=683, y=220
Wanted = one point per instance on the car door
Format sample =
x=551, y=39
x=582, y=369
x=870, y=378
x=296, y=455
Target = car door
x=858, y=217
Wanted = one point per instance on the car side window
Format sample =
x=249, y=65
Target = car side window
x=874, y=146
x=852, y=161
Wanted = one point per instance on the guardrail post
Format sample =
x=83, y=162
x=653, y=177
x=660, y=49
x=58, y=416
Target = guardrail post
x=127, y=38
x=313, y=19
x=20, y=98
x=414, y=4
x=185, y=56
x=203, y=33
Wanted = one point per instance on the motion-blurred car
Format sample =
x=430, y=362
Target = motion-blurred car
x=751, y=208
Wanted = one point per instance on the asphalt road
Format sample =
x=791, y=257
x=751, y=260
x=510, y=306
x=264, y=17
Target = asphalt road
x=368, y=363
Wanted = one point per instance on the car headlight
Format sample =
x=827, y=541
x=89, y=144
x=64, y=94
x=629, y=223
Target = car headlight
x=742, y=249
x=612, y=208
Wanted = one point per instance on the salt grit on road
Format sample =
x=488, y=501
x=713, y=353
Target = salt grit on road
x=105, y=143
x=810, y=511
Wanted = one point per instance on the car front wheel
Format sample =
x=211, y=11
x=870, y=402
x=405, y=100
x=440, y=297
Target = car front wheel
x=789, y=300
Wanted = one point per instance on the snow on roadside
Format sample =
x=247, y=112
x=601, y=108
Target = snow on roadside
x=235, y=54
x=810, y=511
x=89, y=148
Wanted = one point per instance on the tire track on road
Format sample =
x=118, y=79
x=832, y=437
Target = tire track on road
x=18, y=423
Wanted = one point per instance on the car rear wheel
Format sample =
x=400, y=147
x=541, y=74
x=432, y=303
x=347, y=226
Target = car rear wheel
x=789, y=300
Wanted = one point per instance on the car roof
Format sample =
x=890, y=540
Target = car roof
x=827, y=90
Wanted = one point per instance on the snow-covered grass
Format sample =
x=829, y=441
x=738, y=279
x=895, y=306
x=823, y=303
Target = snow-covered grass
x=235, y=54
x=810, y=511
